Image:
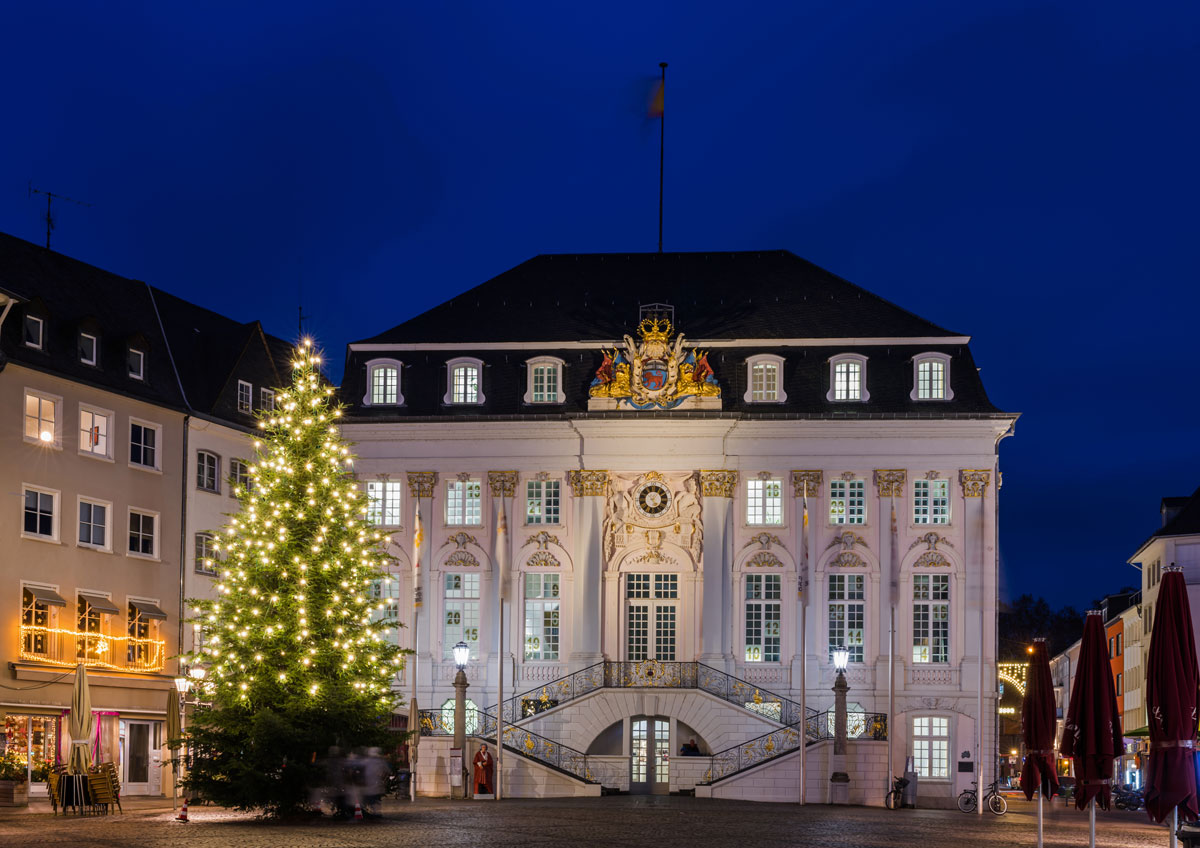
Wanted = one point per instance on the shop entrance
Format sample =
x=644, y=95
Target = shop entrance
x=33, y=740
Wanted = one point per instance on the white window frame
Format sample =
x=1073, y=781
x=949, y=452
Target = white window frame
x=138, y=355
x=926, y=507
x=840, y=491
x=55, y=519
x=542, y=517
x=198, y=554
x=51, y=611
x=42, y=397
x=765, y=359
x=158, y=445
x=266, y=399
x=215, y=489
x=106, y=547
x=245, y=391
x=764, y=502
x=841, y=359
x=531, y=366
x=85, y=447
x=930, y=739
x=41, y=334
x=464, y=362
x=931, y=356
x=536, y=607
x=379, y=364
x=466, y=612
x=857, y=651
x=95, y=349
x=235, y=480
x=763, y=606
x=385, y=502
x=459, y=500
x=155, y=540
x=930, y=602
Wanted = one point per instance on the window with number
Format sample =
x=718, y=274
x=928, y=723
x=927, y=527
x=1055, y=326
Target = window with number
x=143, y=445
x=141, y=533
x=464, y=503
x=931, y=618
x=208, y=471
x=847, y=502
x=651, y=611
x=847, y=615
x=931, y=747
x=764, y=502
x=541, y=616
x=931, y=502
x=383, y=503
x=763, y=592
x=206, y=552
x=542, y=501
x=93, y=432
x=460, y=613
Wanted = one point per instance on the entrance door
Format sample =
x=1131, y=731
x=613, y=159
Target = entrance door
x=138, y=737
x=650, y=761
x=651, y=616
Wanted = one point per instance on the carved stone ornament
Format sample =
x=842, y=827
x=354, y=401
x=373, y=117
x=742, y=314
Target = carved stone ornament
x=931, y=541
x=463, y=476
x=503, y=483
x=764, y=475
x=848, y=476
x=763, y=539
x=421, y=483
x=810, y=480
x=847, y=559
x=933, y=475
x=654, y=373
x=974, y=482
x=764, y=559
x=659, y=508
x=891, y=482
x=542, y=539
x=460, y=539
x=847, y=540
x=542, y=559
x=542, y=476
x=583, y=483
x=462, y=558
x=718, y=484
x=931, y=559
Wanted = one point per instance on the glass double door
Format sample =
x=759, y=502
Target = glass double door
x=650, y=755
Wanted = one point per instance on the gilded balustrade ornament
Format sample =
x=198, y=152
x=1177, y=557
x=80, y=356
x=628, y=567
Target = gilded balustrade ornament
x=585, y=483
x=806, y=483
x=718, y=483
x=974, y=482
x=502, y=483
x=421, y=483
x=891, y=482
x=654, y=373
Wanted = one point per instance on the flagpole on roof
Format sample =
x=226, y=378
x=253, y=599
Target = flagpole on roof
x=662, y=130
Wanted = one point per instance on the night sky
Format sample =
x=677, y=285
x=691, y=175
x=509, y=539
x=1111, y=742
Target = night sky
x=1025, y=173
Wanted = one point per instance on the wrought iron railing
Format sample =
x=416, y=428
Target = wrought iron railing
x=659, y=675
x=482, y=724
x=819, y=726
x=95, y=650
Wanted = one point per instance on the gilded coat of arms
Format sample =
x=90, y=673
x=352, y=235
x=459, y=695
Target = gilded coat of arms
x=654, y=373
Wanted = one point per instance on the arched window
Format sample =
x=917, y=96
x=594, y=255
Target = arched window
x=764, y=379
x=931, y=377
x=383, y=383
x=544, y=380
x=848, y=378
x=464, y=378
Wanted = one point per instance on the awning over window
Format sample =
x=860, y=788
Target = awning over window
x=148, y=609
x=100, y=603
x=46, y=596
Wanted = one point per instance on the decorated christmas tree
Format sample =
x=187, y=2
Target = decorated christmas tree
x=299, y=656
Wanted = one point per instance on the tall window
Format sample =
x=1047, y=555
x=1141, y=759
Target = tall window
x=35, y=613
x=931, y=377
x=847, y=502
x=206, y=551
x=463, y=378
x=461, y=613
x=245, y=396
x=136, y=364
x=545, y=379
x=41, y=418
x=847, y=614
x=140, y=628
x=239, y=473
x=141, y=533
x=847, y=380
x=764, y=501
x=34, y=328
x=383, y=503
x=763, y=592
x=651, y=611
x=40, y=507
x=143, y=444
x=931, y=747
x=764, y=379
x=463, y=504
x=93, y=524
x=383, y=383
x=386, y=595
x=541, y=616
x=931, y=502
x=88, y=349
x=93, y=432
x=208, y=471
x=266, y=399
x=542, y=501
x=931, y=618
x=90, y=619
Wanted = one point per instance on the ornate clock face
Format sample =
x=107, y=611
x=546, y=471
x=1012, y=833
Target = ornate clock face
x=653, y=499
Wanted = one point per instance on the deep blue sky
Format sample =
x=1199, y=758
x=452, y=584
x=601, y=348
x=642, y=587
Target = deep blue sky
x=1022, y=172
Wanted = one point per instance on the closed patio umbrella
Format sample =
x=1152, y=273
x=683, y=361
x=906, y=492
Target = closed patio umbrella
x=174, y=731
x=1092, y=734
x=1038, y=726
x=81, y=724
x=1171, y=703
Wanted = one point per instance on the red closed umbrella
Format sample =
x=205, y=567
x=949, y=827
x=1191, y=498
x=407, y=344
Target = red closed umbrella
x=1092, y=735
x=1038, y=726
x=1171, y=703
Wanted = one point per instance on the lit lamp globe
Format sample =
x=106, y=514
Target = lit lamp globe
x=197, y=672
x=841, y=658
x=183, y=685
x=462, y=653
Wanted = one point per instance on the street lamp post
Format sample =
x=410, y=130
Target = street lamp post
x=839, y=780
x=462, y=653
x=183, y=685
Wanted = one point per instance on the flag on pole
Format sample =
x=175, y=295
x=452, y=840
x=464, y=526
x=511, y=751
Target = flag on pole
x=503, y=575
x=418, y=544
x=894, y=565
x=803, y=583
x=656, y=103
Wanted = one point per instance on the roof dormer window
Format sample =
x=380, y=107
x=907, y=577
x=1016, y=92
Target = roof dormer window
x=137, y=364
x=848, y=378
x=245, y=397
x=35, y=329
x=544, y=380
x=463, y=380
x=764, y=379
x=931, y=377
x=383, y=383
x=89, y=349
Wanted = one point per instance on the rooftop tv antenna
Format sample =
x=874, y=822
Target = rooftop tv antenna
x=51, y=197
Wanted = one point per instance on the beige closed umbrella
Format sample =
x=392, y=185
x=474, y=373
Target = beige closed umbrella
x=81, y=725
x=174, y=731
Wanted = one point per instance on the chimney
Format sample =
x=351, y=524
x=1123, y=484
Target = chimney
x=1170, y=508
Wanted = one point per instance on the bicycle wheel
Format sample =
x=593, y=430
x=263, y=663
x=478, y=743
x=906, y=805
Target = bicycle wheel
x=966, y=801
x=997, y=804
x=892, y=800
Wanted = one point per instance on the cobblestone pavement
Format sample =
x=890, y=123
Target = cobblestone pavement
x=662, y=822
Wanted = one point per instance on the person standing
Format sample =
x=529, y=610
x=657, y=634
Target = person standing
x=484, y=769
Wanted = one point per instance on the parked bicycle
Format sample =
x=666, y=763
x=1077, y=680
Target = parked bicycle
x=969, y=798
x=893, y=800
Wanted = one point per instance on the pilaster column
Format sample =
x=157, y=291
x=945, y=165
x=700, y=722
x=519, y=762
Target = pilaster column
x=974, y=484
x=421, y=486
x=590, y=491
x=717, y=489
